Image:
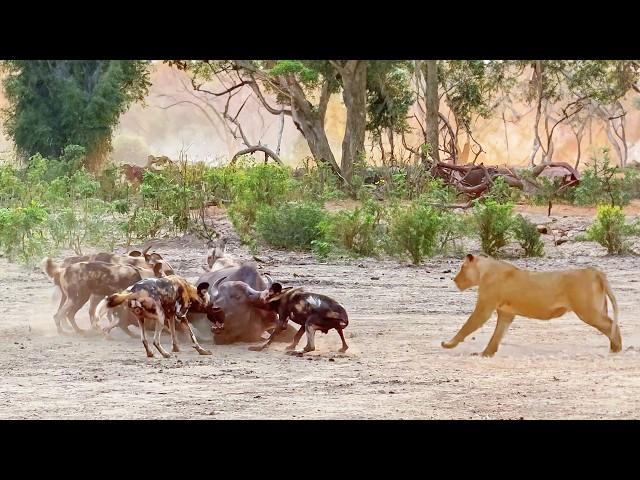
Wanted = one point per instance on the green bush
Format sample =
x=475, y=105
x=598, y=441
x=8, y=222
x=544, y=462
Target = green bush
x=357, y=230
x=501, y=192
x=454, y=228
x=292, y=225
x=602, y=183
x=610, y=229
x=22, y=232
x=493, y=221
x=414, y=230
x=528, y=237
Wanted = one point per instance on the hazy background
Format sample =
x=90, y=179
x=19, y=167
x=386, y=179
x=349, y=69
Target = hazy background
x=157, y=130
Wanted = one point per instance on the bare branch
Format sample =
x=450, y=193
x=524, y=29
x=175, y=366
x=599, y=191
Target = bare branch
x=257, y=148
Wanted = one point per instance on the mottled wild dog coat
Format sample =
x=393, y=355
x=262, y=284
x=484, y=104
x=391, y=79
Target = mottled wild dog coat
x=134, y=258
x=79, y=281
x=159, y=300
x=311, y=311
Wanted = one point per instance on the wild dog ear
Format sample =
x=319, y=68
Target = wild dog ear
x=157, y=269
x=470, y=257
x=275, y=288
x=202, y=288
x=135, y=253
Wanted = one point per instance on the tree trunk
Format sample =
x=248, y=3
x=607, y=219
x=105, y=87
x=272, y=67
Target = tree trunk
x=354, y=93
x=312, y=129
x=432, y=103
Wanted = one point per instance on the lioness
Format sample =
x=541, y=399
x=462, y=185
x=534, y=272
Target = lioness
x=541, y=295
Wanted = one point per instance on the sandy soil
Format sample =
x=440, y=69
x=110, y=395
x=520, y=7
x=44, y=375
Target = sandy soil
x=394, y=369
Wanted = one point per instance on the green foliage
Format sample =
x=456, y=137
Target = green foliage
x=359, y=230
x=389, y=97
x=21, y=231
x=143, y=224
x=414, y=230
x=610, y=229
x=528, y=237
x=317, y=183
x=292, y=225
x=493, y=221
x=56, y=103
x=603, y=183
x=501, y=192
x=454, y=228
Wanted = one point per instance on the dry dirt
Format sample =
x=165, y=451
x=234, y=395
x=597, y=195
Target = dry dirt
x=394, y=369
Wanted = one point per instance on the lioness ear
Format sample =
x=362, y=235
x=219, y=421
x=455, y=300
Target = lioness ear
x=470, y=257
x=135, y=253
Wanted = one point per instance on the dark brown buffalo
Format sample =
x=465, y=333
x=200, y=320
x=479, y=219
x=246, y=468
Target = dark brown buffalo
x=243, y=322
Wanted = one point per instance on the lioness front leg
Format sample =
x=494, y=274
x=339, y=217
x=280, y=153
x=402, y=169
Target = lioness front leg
x=502, y=325
x=478, y=318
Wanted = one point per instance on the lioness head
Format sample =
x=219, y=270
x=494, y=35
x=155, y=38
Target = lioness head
x=469, y=275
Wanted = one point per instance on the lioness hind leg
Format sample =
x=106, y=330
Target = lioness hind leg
x=502, y=325
x=604, y=324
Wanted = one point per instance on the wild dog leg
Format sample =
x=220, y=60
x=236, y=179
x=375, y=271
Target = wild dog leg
x=157, y=335
x=71, y=307
x=296, y=338
x=93, y=305
x=195, y=343
x=344, y=343
x=310, y=328
x=174, y=337
x=280, y=326
x=143, y=337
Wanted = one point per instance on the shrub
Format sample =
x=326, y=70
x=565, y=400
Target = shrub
x=602, y=183
x=502, y=192
x=610, y=230
x=22, y=231
x=493, y=221
x=454, y=227
x=290, y=225
x=414, y=230
x=358, y=230
x=143, y=224
x=528, y=237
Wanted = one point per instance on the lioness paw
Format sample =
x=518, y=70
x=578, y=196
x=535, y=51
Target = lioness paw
x=449, y=344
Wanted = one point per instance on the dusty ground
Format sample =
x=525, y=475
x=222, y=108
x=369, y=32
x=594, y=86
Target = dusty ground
x=395, y=368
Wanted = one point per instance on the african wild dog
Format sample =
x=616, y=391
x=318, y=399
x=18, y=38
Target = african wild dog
x=160, y=300
x=309, y=310
x=134, y=258
x=79, y=281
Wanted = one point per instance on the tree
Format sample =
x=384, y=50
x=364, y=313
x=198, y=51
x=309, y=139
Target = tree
x=467, y=88
x=560, y=90
x=55, y=103
x=302, y=90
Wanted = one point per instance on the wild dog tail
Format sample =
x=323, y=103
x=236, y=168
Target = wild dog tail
x=119, y=298
x=614, y=303
x=113, y=301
